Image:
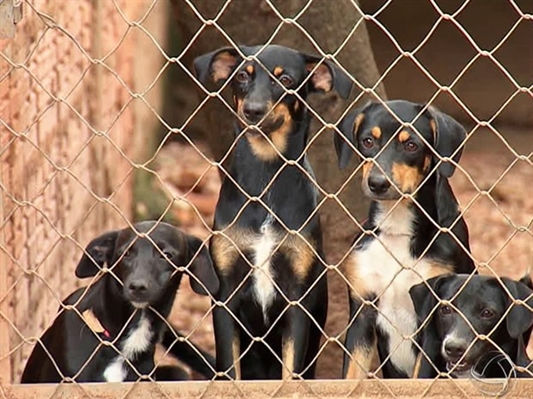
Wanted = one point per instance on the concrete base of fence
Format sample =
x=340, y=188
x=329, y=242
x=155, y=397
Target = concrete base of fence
x=327, y=389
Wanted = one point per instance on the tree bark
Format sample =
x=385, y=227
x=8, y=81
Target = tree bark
x=329, y=23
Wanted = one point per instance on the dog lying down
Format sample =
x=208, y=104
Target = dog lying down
x=111, y=330
x=475, y=306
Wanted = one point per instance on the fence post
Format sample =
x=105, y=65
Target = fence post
x=5, y=361
x=10, y=15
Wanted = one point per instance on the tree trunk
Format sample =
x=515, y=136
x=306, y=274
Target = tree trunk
x=254, y=22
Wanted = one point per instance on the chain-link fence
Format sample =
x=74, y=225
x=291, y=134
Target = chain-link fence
x=110, y=118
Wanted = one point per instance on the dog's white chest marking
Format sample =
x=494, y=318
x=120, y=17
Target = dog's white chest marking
x=138, y=341
x=265, y=244
x=389, y=271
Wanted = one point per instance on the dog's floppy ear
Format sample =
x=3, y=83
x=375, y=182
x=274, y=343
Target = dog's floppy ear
x=520, y=318
x=97, y=253
x=327, y=76
x=202, y=268
x=217, y=65
x=448, y=135
x=349, y=127
x=526, y=280
x=448, y=209
x=423, y=299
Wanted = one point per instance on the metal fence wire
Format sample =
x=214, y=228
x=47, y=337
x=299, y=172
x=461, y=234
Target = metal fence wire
x=80, y=103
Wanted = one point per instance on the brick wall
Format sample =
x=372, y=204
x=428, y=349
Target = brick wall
x=54, y=168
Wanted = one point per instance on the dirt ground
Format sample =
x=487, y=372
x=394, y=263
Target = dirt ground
x=493, y=185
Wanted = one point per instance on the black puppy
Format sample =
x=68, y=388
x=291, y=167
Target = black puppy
x=402, y=244
x=267, y=244
x=474, y=306
x=108, y=331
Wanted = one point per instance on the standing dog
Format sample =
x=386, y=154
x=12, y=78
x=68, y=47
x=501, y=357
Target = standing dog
x=475, y=305
x=267, y=246
x=125, y=308
x=402, y=244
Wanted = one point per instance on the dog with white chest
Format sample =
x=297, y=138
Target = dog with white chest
x=267, y=249
x=402, y=145
x=108, y=331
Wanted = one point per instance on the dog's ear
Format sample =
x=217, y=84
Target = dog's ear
x=349, y=127
x=448, y=210
x=423, y=299
x=520, y=318
x=217, y=65
x=526, y=280
x=448, y=135
x=97, y=253
x=327, y=76
x=202, y=268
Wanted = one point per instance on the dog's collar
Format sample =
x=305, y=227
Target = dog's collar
x=94, y=324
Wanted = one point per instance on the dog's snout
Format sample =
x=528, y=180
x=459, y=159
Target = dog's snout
x=138, y=287
x=254, y=111
x=378, y=184
x=455, y=349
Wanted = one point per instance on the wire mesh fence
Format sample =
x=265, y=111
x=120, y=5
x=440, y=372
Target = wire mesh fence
x=88, y=148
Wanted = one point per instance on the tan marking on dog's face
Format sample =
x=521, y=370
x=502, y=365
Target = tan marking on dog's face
x=239, y=103
x=357, y=123
x=427, y=163
x=299, y=251
x=222, y=66
x=296, y=105
x=376, y=132
x=236, y=351
x=360, y=362
x=288, y=358
x=225, y=248
x=367, y=167
x=250, y=69
x=404, y=136
x=407, y=178
x=261, y=147
x=278, y=71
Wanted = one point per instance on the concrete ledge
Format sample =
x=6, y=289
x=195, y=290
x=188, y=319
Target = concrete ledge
x=328, y=389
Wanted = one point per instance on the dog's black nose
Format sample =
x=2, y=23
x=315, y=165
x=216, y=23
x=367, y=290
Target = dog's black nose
x=137, y=287
x=254, y=111
x=455, y=350
x=378, y=184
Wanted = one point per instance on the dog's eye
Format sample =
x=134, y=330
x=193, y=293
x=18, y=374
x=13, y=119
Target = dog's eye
x=445, y=310
x=487, y=314
x=242, y=77
x=285, y=80
x=410, y=146
x=368, y=142
x=168, y=255
x=126, y=254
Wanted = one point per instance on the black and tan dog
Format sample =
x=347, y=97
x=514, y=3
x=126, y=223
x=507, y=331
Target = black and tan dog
x=267, y=243
x=125, y=307
x=456, y=311
x=403, y=244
